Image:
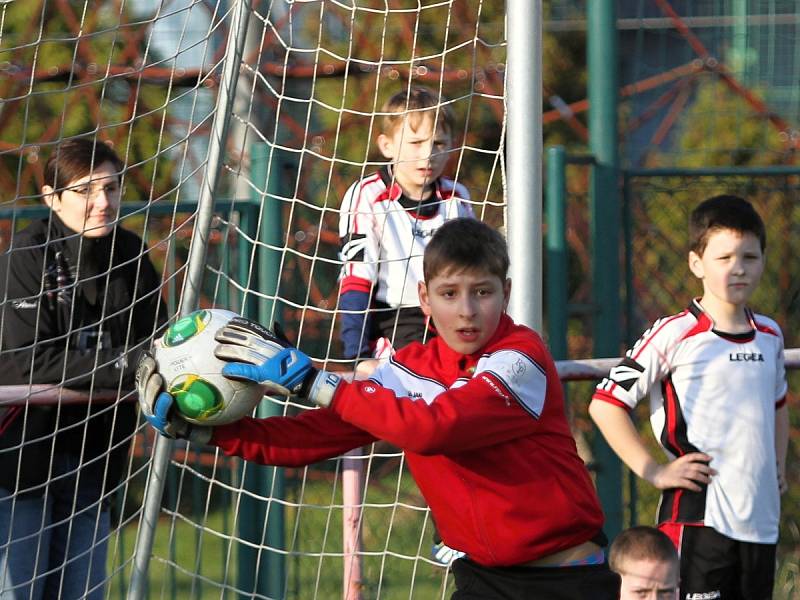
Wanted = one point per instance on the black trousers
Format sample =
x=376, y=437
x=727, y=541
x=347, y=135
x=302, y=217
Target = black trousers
x=716, y=566
x=591, y=582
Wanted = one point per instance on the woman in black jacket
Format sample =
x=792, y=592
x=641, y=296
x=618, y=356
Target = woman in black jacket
x=79, y=301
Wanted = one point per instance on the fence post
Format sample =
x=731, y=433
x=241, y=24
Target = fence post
x=602, y=58
x=557, y=261
x=261, y=564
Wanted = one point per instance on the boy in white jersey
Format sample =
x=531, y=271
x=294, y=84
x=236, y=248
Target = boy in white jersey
x=717, y=385
x=386, y=221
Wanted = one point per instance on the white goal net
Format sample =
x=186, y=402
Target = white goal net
x=146, y=78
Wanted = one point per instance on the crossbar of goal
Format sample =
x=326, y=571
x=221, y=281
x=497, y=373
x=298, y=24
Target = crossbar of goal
x=584, y=369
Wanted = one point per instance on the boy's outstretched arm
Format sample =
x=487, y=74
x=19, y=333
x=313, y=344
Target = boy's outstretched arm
x=313, y=436
x=617, y=427
x=310, y=437
x=486, y=403
x=782, y=443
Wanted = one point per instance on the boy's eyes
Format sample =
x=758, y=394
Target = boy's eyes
x=477, y=292
x=745, y=257
x=660, y=594
x=436, y=143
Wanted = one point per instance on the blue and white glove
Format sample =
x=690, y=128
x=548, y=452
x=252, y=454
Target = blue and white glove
x=258, y=355
x=158, y=407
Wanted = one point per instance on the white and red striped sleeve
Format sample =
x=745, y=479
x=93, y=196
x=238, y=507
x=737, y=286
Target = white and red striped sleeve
x=359, y=247
x=644, y=365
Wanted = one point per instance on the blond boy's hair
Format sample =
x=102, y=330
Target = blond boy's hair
x=416, y=104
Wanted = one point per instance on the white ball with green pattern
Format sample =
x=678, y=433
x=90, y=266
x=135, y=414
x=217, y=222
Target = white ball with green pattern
x=193, y=375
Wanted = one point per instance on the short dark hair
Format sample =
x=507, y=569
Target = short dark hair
x=416, y=103
x=466, y=244
x=641, y=543
x=724, y=212
x=76, y=158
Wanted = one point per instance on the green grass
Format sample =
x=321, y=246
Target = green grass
x=195, y=557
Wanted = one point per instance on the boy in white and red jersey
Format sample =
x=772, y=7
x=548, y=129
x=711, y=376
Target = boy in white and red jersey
x=386, y=220
x=478, y=411
x=717, y=385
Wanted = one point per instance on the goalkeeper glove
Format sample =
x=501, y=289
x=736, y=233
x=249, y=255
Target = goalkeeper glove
x=158, y=406
x=266, y=357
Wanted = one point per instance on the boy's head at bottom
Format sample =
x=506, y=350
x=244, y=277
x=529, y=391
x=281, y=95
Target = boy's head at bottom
x=647, y=563
x=466, y=288
x=727, y=242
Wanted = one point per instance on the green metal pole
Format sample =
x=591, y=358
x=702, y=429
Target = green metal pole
x=247, y=221
x=557, y=263
x=262, y=570
x=602, y=53
x=740, y=44
x=630, y=339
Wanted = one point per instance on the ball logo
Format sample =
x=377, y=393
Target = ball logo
x=180, y=364
x=196, y=397
x=186, y=328
x=370, y=389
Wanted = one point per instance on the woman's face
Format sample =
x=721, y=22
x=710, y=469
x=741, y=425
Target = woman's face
x=88, y=205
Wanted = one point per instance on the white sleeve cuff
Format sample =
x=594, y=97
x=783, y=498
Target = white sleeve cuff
x=323, y=388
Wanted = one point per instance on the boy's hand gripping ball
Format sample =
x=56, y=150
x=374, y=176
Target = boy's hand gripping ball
x=259, y=355
x=192, y=374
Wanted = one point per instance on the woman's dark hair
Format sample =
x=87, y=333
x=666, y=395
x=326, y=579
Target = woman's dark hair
x=76, y=158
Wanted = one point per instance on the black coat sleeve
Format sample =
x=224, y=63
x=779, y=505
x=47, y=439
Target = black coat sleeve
x=150, y=312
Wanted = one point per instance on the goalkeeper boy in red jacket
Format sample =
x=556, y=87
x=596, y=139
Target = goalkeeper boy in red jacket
x=478, y=411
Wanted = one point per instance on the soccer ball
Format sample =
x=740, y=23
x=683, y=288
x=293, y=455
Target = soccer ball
x=193, y=375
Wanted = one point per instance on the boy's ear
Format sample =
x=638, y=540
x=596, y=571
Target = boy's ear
x=696, y=264
x=386, y=146
x=424, y=303
x=506, y=293
x=48, y=195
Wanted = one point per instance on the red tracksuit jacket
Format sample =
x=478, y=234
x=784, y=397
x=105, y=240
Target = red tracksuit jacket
x=485, y=436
